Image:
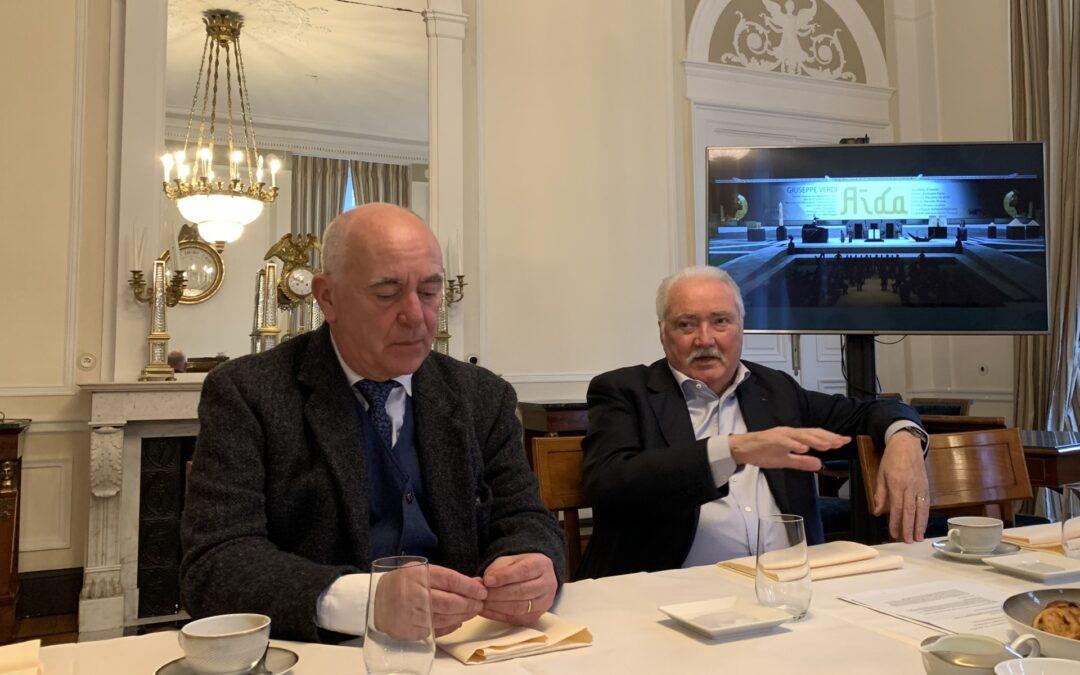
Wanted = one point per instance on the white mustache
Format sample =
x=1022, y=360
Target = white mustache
x=706, y=353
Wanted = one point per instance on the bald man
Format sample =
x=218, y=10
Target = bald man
x=357, y=442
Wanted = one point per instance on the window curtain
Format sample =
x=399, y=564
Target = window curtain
x=375, y=182
x=1045, y=44
x=318, y=191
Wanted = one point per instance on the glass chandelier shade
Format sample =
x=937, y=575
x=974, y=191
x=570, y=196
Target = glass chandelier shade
x=219, y=207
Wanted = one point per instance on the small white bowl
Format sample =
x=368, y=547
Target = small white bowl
x=1037, y=666
x=228, y=643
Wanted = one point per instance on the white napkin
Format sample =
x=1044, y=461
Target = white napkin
x=828, y=561
x=21, y=658
x=481, y=640
x=1046, y=535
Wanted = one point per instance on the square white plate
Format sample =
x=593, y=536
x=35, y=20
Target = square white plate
x=723, y=617
x=1037, y=565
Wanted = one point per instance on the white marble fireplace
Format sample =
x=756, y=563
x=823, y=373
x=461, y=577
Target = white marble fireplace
x=122, y=414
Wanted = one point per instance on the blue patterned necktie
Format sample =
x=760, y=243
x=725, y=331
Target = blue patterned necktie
x=376, y=394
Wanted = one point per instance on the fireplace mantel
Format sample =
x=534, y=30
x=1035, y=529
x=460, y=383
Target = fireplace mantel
x=122, y=414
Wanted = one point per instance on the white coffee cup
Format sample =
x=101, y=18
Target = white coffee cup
x=227, y=643
x=975, y=534
x=1039, y=666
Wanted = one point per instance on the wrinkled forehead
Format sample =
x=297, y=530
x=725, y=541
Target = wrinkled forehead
x=701, y=297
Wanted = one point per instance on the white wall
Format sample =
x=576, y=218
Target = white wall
x=577, y=204
x=951, y=60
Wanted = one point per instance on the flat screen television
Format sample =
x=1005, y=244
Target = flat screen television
x=863, y=238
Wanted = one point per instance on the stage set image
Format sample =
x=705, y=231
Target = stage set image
x=876, y=253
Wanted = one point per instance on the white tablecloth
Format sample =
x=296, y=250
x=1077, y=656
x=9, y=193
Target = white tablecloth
x=632, y=636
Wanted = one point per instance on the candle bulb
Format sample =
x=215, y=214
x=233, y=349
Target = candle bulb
x=234, y=164
x=174, y=248
x=167, y=163
x=448, y=258
x=459, y=265
x=275, y=165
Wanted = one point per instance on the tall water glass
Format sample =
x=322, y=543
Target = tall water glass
x=399, y=639
x=1070, y=519
x=782, y=577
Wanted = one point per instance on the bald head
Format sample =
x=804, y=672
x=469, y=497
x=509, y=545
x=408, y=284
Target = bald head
x=380, y=289
x=357, y=229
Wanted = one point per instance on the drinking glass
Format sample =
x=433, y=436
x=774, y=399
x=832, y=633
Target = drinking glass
x=1070, y=519
x=399, y=639
x=782, y=577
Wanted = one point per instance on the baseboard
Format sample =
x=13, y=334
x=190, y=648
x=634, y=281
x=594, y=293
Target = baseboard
x=49, y=592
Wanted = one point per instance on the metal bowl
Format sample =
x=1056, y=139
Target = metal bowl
x=1021, y=609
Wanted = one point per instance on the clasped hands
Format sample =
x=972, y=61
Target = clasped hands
x=515, y=589
x=901, y=487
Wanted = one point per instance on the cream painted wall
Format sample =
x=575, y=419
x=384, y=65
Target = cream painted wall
x=53, y=236
x=959, y=56
x=576, y=164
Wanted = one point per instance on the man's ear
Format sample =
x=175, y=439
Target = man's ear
x=322, y=289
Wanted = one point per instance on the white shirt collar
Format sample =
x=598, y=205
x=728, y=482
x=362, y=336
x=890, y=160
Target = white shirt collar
x=351, y=375
x=740, y=375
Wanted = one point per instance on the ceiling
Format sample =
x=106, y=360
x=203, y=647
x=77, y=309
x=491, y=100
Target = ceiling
x=315, y=64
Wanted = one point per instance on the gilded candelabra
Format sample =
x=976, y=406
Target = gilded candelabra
x=452, y=293
x=160, y=293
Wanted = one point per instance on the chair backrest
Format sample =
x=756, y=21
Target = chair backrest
x=557, y=463
x=941, y=406
x=949, y=424
x=968, y=469
x=891, y=395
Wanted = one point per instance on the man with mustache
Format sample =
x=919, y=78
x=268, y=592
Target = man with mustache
x=356, y=442
x=683, y=456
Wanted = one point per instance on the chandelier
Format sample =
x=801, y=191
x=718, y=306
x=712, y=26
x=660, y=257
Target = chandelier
x=219, y=207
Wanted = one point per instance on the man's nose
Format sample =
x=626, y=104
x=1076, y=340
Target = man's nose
x=411, y=312
x=702, y=336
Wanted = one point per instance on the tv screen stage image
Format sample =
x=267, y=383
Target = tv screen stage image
x=929, y=238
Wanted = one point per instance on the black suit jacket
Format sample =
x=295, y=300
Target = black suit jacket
x=646, y=475
x=277, y=506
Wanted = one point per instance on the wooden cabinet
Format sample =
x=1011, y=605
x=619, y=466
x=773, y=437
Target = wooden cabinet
x=11, y=445
x=552, y=418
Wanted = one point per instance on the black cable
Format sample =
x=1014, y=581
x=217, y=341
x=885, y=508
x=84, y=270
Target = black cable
x=843, y=372
x=894, y=342
x=371, y=4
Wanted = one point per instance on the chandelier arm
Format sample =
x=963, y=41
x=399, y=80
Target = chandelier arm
x=245, y=110
x=213, y=104
x=205, y=100
x=228, y=103
x=195, y=96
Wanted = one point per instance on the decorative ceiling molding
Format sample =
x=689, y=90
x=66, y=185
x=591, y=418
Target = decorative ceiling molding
x=708, y=13
x=296, y=137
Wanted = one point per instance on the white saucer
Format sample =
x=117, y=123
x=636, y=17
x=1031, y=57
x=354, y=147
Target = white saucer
x=943, y=547
x=278, y=661
x=1039, y=566
x=726, y=617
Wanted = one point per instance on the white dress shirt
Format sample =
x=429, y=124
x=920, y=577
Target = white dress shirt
x=728, y=527
x=342, y=607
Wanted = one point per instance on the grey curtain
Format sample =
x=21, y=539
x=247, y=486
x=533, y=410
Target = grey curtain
x=1046, y=107
x=374, y=182
x=318, y=189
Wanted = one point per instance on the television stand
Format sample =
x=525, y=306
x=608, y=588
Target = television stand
x=861, y=372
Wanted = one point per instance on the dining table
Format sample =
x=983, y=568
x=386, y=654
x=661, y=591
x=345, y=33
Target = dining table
x=631, y=635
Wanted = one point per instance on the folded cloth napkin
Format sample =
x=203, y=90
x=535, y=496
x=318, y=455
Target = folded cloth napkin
x=1047, y=536
x=827, y=561
x=21, y=658
x=481, y=640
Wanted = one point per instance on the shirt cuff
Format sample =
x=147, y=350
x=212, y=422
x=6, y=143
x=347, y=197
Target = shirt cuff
x=904, y=424
x=720, y=462
x=342, y=607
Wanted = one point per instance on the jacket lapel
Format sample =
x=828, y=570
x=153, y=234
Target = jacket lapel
x=330, y=413
x=443, y=447
x=757, y=414
x=668, y=405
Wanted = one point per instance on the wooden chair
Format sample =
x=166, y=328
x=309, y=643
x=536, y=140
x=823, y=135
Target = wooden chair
x=951, y=424
x=941, y=406
x=557, y=463
x=968, y=472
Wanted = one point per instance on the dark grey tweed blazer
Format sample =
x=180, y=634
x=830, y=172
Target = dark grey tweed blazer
x=277, y=507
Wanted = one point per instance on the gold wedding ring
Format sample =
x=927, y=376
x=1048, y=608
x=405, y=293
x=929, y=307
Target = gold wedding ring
x=529, y=610
x=920, y=498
